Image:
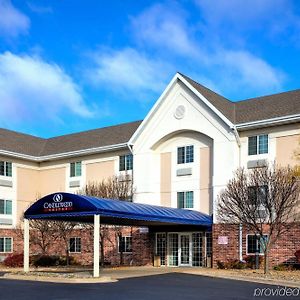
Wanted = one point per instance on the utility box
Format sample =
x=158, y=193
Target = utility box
x=156, y=261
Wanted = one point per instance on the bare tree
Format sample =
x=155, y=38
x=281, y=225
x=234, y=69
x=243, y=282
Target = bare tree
x=63, y=230
x=264, y=200
x=115, y=187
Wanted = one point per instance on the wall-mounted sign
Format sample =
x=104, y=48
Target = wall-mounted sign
x=144, y=229
x=222, y=240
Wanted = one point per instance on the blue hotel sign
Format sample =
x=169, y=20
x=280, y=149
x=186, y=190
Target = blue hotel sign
x=58, y=204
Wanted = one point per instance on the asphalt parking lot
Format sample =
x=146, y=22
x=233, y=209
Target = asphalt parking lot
x=155, y=287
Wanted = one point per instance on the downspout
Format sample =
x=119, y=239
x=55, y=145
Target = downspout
x=130, y=147
x=236, y=134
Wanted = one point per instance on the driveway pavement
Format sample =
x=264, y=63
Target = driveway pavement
x=154, y=287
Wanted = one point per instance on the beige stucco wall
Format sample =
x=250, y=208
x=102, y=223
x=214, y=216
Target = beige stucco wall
x=96, y=172
x=205, y=180
x=285, y=149
x=52, y=180
x=165, y=179
x=28, y=185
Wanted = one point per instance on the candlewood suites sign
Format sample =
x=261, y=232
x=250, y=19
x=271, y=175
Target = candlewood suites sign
x=58, y=204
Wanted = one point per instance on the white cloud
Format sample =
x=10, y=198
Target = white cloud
x=165, y=28
x=39, y=9
x=128, y=70
x=32, y=89
x=12, y=21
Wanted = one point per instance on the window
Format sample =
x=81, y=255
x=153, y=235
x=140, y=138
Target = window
x=126, y=162
x=75, y=169
x=75, y=245
x=185, y=155
x=125, y=244
x=254, y=243
x=258, y=194
x=5, y=207
x=5, y=168
x=258, y=144
x=5, y=244
x=185, y=199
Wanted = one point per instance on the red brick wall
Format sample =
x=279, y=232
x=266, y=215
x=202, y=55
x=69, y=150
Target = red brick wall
x=142, y=246
x=282, y=251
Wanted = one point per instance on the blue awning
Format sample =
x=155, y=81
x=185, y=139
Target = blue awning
x=79, y=208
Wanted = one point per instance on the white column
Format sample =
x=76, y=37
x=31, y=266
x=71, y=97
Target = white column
x=96, y=244
x=26, y=245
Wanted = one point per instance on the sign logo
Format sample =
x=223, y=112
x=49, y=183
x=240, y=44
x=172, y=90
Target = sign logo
x=57, y=198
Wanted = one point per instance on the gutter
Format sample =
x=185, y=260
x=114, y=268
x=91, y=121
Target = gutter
x=65, y=154
x=266, y=122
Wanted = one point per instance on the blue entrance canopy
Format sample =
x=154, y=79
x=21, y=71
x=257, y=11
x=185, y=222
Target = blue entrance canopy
x=79, y=208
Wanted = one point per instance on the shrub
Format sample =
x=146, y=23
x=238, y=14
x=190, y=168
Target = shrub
x=236, y=264
x=45, y=261
x=297, y=254
x=251, y=261
x=283, y=267
x=220, y=264
x=63, y=261
x=14, y=260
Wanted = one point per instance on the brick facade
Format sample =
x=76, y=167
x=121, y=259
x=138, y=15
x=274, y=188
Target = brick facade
x=282, y=252
x=142, y=246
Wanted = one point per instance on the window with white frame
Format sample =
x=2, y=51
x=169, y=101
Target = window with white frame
x=185, y=199
x=75, y=169
x=125, y=244
x=5, y=207
x=185, y=154
x=5, y=168
x=75, y=245
x=126, y=162
x=257, y=195
x=258, y=144
x=5, y=244
x=255, y=242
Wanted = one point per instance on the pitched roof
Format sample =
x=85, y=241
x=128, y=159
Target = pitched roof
x=254, y=109
x=30, y=145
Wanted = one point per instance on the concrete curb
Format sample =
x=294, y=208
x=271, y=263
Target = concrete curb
x=102, y=279
x=286, y=283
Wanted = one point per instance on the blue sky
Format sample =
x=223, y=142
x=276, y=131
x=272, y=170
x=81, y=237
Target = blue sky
x=68, y=66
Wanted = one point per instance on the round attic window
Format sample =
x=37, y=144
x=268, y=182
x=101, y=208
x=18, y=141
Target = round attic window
x=179, y=112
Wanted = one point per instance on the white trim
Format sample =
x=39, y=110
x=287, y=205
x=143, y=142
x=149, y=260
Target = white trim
x=247, y=244
x=12, y=244
x=75, y=237
x=163, y=95
x=65, y=154
x=271, y=121
x=118, y=240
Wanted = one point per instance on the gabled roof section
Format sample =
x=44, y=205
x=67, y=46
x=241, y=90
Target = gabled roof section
x=221, y=103
x=252, y=110
x=19, y=143
x=268, y=107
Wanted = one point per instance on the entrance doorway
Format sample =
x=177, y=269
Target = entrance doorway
x=184, y=249
x=185, y=253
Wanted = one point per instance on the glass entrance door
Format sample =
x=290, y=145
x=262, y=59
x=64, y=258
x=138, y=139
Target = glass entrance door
x=185, y=250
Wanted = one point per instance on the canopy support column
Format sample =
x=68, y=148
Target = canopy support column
x=96, y=244
x=26, y=245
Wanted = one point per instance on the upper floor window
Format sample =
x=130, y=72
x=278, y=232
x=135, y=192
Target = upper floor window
x=258, y=195
x=125, y=244
x=185, y=154
x=5, y=244
x=5, y=168
x=185, y=199
x=75, y=169
x=75, y=245
x=126, y=162
x=258, y=144
x=5, y=207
